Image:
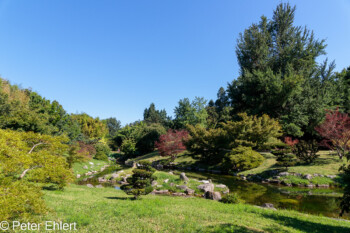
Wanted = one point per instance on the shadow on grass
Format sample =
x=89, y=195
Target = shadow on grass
x=304, y=225
x=226, y=228
x=121, y=198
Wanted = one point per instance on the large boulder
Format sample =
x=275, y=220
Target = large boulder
x=216, y=196
x=222, y=186
x=184, y=177
x=206, y=187
x=308, y=176
x=189, y=191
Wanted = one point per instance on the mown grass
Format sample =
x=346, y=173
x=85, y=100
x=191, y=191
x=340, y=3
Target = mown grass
x=110, y=210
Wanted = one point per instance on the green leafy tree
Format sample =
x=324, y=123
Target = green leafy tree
x=113, y=126
x=191, y=113
x=128, y=146
x=91, y=128
x=140, y=183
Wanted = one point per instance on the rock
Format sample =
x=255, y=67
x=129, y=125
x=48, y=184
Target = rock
x=78, y=176
x=159, y=167
x=222, y=186
x=283, y=174
x=91, y=163
x=88, y=173
x=308, y=176
x=332, y=176
x=323, y=185
x=166, y=180
x=102, y=169
x=204, y=181
x=183, y=187
x=268, y=206
x=189, y=191
x=99, y=186
x=101, y=180
x=114, y=175
x=154, y=183
x=85, y=167
x=160, y=192
x=310, y=186
x=129, y=163
x=206, y=187
x=171, y=173
x=216, y=196
x=85, y=179
x=90, y=185
x=244, y=178
x=172, y=184
x=159, y=186
x=179, y=194
x=226, y=191
x=184, y=177
x=297, y=174
x=124, y=179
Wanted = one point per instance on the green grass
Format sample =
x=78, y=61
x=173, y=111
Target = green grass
x=326, y=164
x=98, y=164
x=110, y=210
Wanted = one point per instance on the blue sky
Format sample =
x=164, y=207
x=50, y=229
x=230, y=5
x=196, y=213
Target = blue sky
x=113, y=58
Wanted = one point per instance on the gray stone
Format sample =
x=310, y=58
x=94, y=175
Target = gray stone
x=85, y=179
x=91, y=163
x=160, y=192
x=124, y=179
x=171, y=173
x=78, y=176
x=206, y=187
x=222, y=186
x=85, y=167
x=172, y=184
x=189, y=191
x=268, y=206
x=166, y=180
x=179, y=194
x=154, y=183
x=114, y=175
x=226, y=191
x=332, y=176
x=101, y=180
x=99, y=186
x=308, y=176
x=183, y=187
x=90, y=185
x=204, y=181
x=184, y=177
x=310, y=185
x=283, y=174
x=216, y=196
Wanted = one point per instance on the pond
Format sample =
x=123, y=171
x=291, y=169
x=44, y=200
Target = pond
x=317, y=201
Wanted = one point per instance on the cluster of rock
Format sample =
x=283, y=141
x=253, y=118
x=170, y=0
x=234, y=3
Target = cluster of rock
x=207, y=187
x=276, y=178
x=91, y=173
x=92, y=186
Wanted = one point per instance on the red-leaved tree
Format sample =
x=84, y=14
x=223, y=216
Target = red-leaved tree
x=290, y=142
x=171, y=143
x=336, y=131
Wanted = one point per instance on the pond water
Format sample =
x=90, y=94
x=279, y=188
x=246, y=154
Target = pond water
x=317, y=201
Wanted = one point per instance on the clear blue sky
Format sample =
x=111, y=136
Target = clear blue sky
x=113, y=58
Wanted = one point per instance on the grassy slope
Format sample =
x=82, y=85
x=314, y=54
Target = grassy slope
x=109, y=210
x=326, y=164
x=78, y=167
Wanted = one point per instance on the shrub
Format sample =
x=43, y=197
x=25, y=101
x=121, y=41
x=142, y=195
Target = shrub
x=20, y=200
x=242, y=158
x=284, y=158
x=171, y=143
x=101, y=156
x=307, y=151
x=128, y=146
x=231, y=198
x=100, y=147
x=86, y=150
x=140, y=182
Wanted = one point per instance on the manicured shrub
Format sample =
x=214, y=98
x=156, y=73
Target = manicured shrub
x=101, y=156
x=242, y=158
x=101, y=147
x=140, y=182
x=128, y=146
x=231, y=198
x=307, y=151
x=285, y=159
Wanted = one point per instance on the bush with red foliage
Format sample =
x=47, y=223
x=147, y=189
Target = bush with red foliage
x=87, y=150
x=171, y=143
x=290, y=142
x=336, y=131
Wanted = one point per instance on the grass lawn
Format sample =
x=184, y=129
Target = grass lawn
x=110, y=210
